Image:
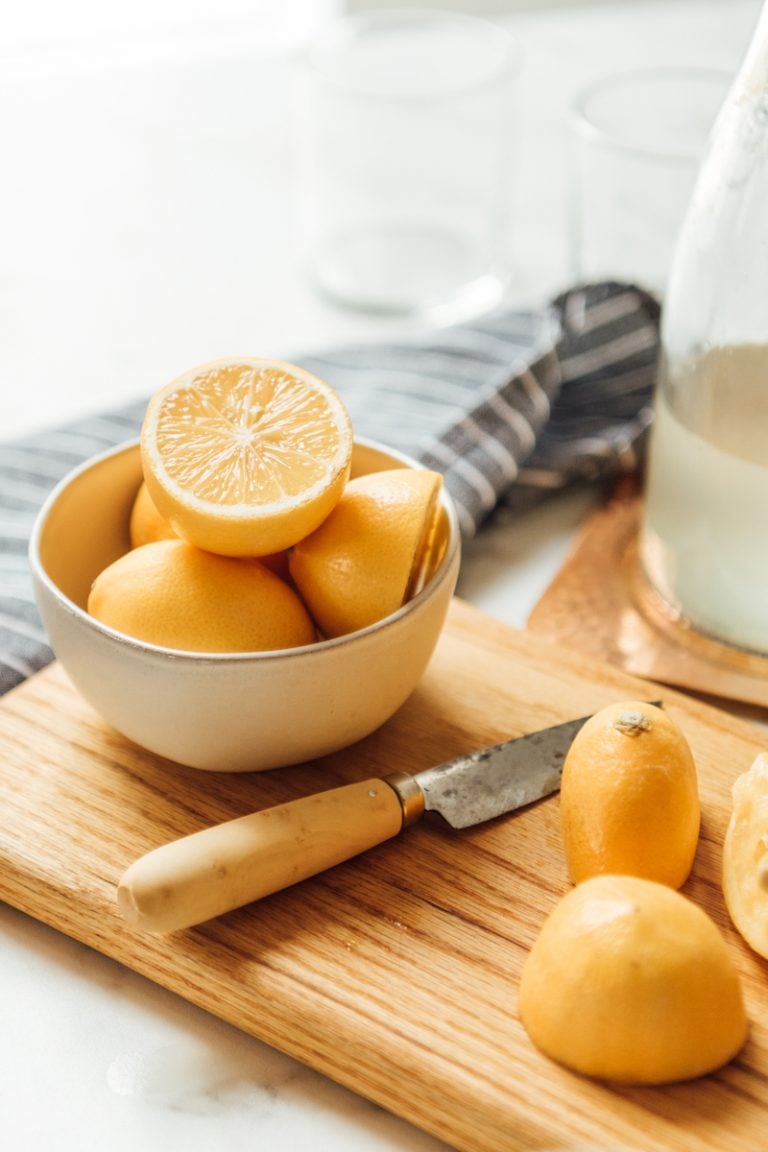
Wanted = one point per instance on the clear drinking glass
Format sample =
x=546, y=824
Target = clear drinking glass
x=637, y=142
x=406, y=150
x=704, y=542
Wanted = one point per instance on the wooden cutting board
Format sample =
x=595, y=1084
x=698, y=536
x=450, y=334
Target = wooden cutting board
x=395, y=974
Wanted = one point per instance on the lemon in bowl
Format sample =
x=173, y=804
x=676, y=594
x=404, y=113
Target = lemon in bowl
x=292, y=693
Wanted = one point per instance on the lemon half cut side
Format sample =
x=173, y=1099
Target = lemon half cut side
x=745, y=856
x=246, y=456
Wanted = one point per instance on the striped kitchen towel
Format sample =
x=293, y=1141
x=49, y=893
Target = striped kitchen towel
x=509, y=407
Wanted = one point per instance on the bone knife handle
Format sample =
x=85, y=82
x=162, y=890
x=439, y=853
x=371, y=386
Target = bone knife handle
x=213, y=871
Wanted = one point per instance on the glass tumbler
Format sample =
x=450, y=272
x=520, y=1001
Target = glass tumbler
x=406, y=158
x=637, y=141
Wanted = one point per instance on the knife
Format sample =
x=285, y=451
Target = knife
x=223, y=867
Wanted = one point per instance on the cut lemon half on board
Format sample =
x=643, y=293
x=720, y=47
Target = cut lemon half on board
x=628, y=980
x=244, y=457
x=745, y=856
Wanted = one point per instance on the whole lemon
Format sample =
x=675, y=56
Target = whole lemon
x=146, y=524
x=630, y=981
x=629, y=799
x=172, y=594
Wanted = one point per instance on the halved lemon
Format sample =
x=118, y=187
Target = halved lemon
x=745, y=856
x=371, y=553
x=629, y=980
x=244, y=457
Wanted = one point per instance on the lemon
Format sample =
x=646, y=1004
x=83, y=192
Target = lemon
x=745, y=856
x=244, y=457
x=630, y=981
x=367, y=558
x=175, y=595
x=146, y=524
x=629, y=799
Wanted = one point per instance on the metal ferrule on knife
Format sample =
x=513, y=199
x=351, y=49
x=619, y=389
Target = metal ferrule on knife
x=409, y=794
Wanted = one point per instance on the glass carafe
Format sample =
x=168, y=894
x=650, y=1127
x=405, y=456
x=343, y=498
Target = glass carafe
x=704, y=541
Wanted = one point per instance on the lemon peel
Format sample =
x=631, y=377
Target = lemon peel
x=628, y=980
x=629, y=797
x=368, y=557
x=175, y=595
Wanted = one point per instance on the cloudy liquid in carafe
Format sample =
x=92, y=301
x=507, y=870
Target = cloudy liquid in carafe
x=705, y=536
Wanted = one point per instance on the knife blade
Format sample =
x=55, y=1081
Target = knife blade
x=218, y=869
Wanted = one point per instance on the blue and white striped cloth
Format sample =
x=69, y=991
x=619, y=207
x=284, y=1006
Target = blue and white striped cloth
x=508, y=408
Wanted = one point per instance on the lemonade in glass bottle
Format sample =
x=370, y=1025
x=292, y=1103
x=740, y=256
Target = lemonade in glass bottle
x=704, y=540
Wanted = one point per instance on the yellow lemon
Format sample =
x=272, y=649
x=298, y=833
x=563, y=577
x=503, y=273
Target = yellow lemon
x=175, y=595
x=629, y=798
x=147, y=526
x=745, y=856
x=366, y=559
x=630, y=981
x=244, y=457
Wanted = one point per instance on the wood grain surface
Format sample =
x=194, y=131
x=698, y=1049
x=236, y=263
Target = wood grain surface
x=395, y=974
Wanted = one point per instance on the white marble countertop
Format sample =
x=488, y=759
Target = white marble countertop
x=145, y=226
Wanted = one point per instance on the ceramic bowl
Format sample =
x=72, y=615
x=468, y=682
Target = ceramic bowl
x=223, y=712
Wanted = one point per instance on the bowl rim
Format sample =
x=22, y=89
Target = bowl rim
x=180, y=655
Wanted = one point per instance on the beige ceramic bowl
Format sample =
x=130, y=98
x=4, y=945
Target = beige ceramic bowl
x=226, y=713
